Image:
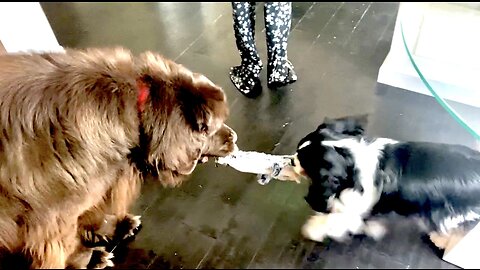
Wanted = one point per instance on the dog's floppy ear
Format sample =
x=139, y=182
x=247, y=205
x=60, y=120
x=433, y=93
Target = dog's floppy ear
x=349, y=125
x=203, y=103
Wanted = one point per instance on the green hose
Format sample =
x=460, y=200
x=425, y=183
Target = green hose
x=440, y=100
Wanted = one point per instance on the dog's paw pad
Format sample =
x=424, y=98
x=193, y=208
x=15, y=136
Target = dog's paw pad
x=101, y=259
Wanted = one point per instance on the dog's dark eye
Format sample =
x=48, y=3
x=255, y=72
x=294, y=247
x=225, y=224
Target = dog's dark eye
x=333, y=181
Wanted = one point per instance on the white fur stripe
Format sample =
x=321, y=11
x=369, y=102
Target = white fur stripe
x=366, y=158
x=305, y=144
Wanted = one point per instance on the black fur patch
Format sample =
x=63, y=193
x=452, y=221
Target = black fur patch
x=430, y=180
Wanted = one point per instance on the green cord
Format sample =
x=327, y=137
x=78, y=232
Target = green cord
x=440, y=100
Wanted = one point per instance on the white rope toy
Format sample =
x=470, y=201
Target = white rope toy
x=267, y=166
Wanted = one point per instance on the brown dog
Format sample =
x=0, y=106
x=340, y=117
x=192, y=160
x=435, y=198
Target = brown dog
x=80, y=130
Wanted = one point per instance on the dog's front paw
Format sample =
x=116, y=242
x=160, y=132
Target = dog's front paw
x=375, y=229
x=315, y=228
x=337, y=226
x=100, y=259
x=127, y=227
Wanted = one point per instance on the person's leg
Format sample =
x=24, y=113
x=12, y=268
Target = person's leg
x=278, y=18
x=246, y=76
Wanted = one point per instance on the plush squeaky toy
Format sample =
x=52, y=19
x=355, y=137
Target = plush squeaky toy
x=266, y=166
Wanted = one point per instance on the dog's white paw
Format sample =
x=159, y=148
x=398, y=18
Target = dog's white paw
x=375, y=229
x=101, y=259
x=136, y=222
x=315, y=228
x=337, y=226
x=108, y=259
x=127, y=227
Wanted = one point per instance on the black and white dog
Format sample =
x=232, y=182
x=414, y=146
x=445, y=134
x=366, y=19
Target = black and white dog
x=353, y=179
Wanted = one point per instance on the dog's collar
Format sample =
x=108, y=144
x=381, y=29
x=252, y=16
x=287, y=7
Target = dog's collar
x=143, y=92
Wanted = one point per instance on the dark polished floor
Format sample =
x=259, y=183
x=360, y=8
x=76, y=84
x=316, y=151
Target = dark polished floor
x=222, y=218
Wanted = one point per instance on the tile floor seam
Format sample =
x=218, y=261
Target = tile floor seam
x=356, y=25
x=197, y=39
x=262, y=241
x=301, y=19
x=327, y=24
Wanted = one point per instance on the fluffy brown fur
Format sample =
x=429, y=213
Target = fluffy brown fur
x=74, y=146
